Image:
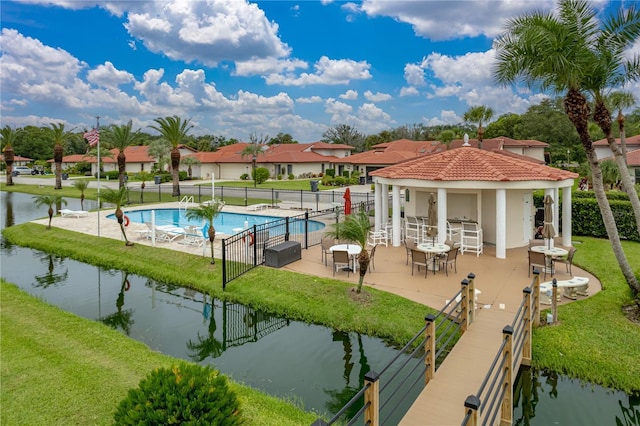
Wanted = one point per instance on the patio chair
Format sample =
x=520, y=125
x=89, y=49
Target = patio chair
x=409, y=244
x=325, y=244
x=193, y=236
x=454, y=233
x=471, y=238
x=419, y=258
x=341, y=259
x=568, y=261
x=540, y=260
x=377, y=237
x=450, y=258
x=412, y=228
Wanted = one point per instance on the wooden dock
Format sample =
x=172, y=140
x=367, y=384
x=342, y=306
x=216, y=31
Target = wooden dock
x=462, y=372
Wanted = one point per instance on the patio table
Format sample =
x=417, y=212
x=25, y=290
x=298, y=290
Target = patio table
x=550, y=253
x=353, y=250
x=434, y=249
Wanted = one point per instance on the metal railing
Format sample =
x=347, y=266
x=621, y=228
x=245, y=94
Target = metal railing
x=244, y=251
x=495, y=395
x=395, y=387
x=275, y=198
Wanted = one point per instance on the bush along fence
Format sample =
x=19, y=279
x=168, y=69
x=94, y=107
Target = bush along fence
x=586, y=219
x=245, y=250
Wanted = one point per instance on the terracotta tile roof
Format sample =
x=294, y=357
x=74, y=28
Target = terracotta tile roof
x=629, y=140
x=499, y=143
x=393, y=152
x=325, y=145
x=17, y=158
x=522, y=157
x=472, y=164
x=285, y=153
x=134, y=154
x=633, y=158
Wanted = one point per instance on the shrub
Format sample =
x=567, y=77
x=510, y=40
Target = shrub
x=340, y=181
x=261, y=175
x=345, y=173
x=244, y=176
x=183, y=394
x=327, y=180
x=279, y=177
x=112, y=175
x=330, y=172
x=291, y=177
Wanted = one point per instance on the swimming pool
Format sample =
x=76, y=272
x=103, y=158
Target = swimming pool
x=225, y=222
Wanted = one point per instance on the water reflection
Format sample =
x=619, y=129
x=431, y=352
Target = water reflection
x=121, y=319
x=51, y=277
x=543, y=398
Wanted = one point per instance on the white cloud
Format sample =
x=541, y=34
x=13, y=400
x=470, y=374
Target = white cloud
x=206, y=31
x=446, y=20
x=414, y=74
x=376, y=97
x=327, y=71
x=409, y=91
x=309, y=100
x=108, y=76
x=349, y=95
x=261, y=66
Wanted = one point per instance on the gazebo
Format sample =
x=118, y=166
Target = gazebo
x=491, y=188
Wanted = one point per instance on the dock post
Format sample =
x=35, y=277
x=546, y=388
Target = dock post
x=372, y=399
x=506, y=417
x=429, y=348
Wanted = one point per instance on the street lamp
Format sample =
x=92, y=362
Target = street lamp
x=568, y=157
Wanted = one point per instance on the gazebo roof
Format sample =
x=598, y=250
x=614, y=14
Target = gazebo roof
x=472, y=164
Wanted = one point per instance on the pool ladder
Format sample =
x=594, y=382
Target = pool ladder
x=185, y=202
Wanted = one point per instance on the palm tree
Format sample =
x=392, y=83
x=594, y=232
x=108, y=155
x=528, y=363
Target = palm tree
x=355, y=228
x=479, y=114
x=190, y=161
x=49, y=200
x=620, y=101
x=555, y=53
x=446, y=136
x=118, y=197
x=174, y=130
x=255, y=148
x=159, y=149
x=7, y=139
x=60, y=137
x=121, y=137
x=81, y=185
x=207, y=212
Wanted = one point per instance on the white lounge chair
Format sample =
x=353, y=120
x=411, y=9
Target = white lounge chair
x=73, y=213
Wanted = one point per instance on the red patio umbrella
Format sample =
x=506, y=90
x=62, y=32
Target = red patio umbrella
x=347, y=201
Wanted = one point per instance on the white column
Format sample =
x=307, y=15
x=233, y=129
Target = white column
x=501, y=223
x=442, y=215
x=378, y=205
x=395, y=215
x=566, y=216
x=385, y=204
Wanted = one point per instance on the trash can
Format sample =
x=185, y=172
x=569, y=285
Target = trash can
x=157, y=179
x=65, y=176
x=314, y=185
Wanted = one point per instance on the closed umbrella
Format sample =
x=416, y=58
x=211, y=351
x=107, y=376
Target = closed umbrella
x=432, y=219
x=548, y=231
x=347, y=201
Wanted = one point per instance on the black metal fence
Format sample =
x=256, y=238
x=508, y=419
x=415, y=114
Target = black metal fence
x=244, y=251
x=247, y=197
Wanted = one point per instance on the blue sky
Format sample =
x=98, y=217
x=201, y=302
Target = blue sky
x=237, y=68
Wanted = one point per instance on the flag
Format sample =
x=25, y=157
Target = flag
x=92, y=136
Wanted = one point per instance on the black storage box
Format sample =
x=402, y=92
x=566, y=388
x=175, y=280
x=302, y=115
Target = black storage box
x=282, y=254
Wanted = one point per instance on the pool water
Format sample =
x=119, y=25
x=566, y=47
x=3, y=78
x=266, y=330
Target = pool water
x=225, y=222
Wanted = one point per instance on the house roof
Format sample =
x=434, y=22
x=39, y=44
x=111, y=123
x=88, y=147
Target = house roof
x=500, y=143
x=472, y=164
x=134, y=154
x=17, y=158
x=629, y=141
x=284, y=153
x=392, y=152
x=633, y=158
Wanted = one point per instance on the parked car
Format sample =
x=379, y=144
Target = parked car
x=21, y=170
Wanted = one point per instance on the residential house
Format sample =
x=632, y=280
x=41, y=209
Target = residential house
x=602, y=149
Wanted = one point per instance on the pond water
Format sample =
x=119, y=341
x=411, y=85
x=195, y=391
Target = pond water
x=318, y=367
